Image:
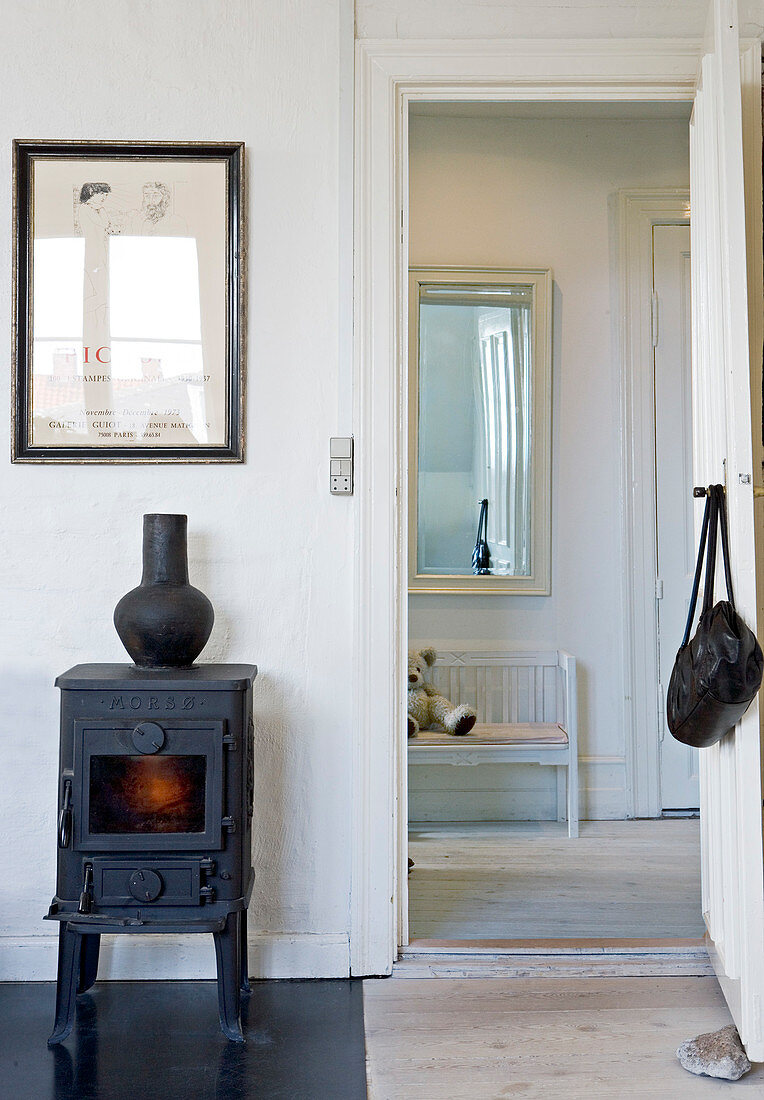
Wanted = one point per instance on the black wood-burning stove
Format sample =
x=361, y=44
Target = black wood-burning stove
x=155, y=816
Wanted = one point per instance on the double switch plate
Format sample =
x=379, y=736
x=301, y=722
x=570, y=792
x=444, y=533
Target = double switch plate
x=341, y=465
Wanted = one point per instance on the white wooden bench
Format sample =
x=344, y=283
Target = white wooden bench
x=527, y=712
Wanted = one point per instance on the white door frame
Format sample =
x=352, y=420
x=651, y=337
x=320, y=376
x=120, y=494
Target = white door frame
x=638, y=212
x=389, y=75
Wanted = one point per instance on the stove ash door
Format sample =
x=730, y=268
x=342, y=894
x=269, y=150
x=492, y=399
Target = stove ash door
x=153, y=787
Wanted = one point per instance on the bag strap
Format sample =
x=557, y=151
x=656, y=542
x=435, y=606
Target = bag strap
x=722, y=508
x=713, y=529
x=482, y=519
x=698, y=569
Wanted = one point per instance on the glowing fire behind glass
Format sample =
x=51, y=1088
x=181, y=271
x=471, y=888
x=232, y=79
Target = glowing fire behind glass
x=147, y=794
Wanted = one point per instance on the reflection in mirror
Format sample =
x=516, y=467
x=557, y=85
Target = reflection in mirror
x=480, y=431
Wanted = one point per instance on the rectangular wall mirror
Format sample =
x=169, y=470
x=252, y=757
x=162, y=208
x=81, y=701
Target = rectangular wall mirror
x=480, y=430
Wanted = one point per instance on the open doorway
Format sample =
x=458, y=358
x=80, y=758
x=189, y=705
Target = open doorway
x=531, y=186
x=719, y=77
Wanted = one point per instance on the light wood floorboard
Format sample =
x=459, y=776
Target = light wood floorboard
x=508, y=965
x=528, y=880
x=536, y=1038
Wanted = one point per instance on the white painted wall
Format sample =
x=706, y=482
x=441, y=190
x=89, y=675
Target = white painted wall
x=268, y=544
x=276, y=74
x=509, y=192
x=544, y=18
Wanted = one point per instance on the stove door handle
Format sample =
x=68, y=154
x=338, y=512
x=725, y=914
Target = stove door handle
x=65, y=817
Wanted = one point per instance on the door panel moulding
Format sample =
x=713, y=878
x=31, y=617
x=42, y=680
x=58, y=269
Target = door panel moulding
x=389, y=76
x=638, y=211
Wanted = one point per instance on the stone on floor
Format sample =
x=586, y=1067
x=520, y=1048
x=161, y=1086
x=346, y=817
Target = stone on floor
x=715, y=1054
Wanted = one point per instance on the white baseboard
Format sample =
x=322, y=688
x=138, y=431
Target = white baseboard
x=137, y=958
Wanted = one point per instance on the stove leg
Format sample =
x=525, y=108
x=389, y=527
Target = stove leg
x=227, y=953
x=69, y=950
x=88, y=961
x=243, y=958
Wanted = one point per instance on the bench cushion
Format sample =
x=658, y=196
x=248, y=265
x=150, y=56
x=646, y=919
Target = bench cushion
x=536, y=733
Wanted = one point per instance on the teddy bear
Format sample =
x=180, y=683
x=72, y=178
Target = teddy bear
x=426, y=706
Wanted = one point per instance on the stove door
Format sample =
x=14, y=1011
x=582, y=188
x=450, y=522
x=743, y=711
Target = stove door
x=149, y=786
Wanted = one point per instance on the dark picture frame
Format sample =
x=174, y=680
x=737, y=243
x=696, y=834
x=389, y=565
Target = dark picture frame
x=171, y=397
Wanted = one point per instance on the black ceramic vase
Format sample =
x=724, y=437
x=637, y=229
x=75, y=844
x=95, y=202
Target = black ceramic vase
x=165, y=622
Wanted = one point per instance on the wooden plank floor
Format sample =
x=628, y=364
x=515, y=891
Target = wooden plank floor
x=508, y=962
x=536, y=1038
x=529, y=881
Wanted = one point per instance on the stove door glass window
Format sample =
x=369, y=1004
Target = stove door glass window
x=147, y=794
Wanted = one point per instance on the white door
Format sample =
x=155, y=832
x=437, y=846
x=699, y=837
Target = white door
x=726, y=257
x=680, y=788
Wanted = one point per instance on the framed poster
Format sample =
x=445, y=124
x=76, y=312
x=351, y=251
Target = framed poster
x=128, y=320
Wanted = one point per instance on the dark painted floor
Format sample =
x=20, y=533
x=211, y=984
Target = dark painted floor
x=160, y=1041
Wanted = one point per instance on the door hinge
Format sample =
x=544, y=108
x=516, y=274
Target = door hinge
x=654, y=318
x=658, y=588
x=661, y=713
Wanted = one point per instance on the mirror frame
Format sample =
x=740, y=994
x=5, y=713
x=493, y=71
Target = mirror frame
x=538, y=583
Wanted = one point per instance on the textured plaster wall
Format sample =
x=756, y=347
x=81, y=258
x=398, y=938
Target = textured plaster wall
x=503, y=192
x=268, y=544
x=544, y=19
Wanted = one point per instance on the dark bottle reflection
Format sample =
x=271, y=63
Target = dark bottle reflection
x=147, y=794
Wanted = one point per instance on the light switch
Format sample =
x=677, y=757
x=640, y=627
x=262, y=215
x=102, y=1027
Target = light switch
x=341, y=446
x=341, y=465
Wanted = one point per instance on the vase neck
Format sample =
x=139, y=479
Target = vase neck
x=165, y=555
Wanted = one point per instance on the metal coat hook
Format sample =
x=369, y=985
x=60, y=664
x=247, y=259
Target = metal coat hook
x=745, y=479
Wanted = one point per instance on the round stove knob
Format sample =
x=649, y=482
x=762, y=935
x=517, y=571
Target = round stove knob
x=145, y=885
x=148, y=737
